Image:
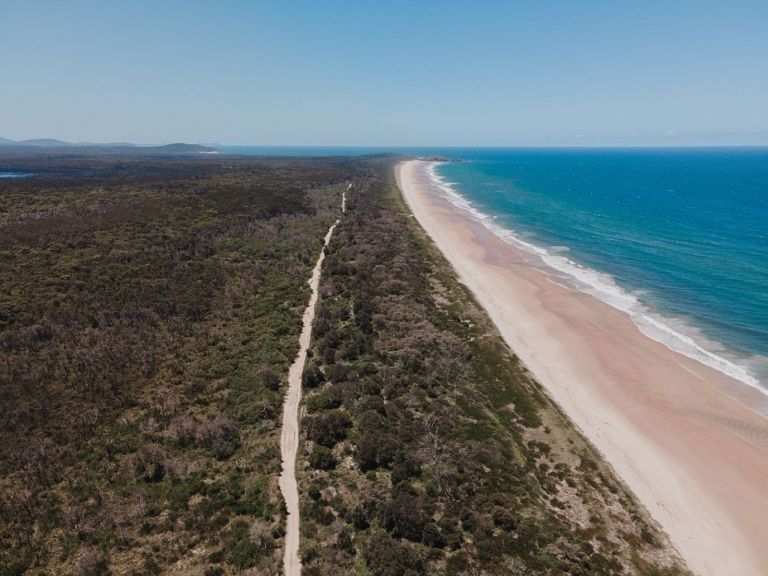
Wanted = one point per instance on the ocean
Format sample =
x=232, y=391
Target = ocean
x=675, y=238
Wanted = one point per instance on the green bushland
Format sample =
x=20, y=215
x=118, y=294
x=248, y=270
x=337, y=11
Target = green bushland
x=427, y=447
x=149, y=310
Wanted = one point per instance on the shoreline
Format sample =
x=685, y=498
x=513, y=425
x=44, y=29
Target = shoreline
x=695, y=458
x=676, y=333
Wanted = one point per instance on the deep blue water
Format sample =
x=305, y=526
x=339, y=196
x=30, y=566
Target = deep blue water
x=680, y=235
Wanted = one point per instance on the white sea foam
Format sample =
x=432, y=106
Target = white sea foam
x=673, y=333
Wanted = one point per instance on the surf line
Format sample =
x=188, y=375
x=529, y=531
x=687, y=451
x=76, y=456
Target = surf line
x=289, y=435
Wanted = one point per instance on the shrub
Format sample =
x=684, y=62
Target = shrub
x=322, y=458
x=329, y=428
x=338, y=372
x=268, y=378
x=324, y=400
x=344, y=542
x=149, y=464
x=183, y=429
x=373, y=403
x=360, y=518
x=504, y=519
x=220, y=434
x=405, y=467
x=91, y=562
x=312, y=376
x=366, y=452
x=243, y=552
x=431, y=536
x=405, y=517
x=387, y=449
x=385, y=556
x=371, y=420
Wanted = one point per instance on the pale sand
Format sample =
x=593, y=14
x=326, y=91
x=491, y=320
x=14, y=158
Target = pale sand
x=289, y=435
x=695, y=458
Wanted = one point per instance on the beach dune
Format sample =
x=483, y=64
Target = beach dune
x=694, y=455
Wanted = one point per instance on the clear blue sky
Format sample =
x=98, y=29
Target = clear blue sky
x=325, y=72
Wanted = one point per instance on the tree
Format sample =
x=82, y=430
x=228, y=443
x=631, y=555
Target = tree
x=406, y=517
x=385, y=556
x=312, y=376
x=221, y=435
x=268, y=378
x=329, y=428
x=322, y=458
x=92, y=562
x=366, y=452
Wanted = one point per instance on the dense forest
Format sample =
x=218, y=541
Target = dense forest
x=149, y=311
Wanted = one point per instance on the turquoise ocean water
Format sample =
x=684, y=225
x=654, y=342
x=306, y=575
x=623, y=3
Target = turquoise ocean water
x=676, y=238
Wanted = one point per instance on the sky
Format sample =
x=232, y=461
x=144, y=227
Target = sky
x=386, y=73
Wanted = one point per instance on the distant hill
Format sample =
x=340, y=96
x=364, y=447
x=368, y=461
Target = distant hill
x=181, y=148
x=110, y=148
x=45, y=142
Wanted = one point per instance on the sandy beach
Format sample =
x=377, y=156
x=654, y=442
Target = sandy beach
x=696, y=457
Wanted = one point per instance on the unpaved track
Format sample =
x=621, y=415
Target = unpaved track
x=693, y=456
x=289, y=437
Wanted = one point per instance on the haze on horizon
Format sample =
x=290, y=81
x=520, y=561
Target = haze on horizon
x=359, y=73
